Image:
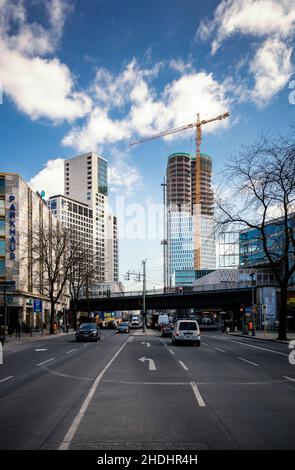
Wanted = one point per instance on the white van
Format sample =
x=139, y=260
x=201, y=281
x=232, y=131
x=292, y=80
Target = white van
x=186, y=331
x=135, y=322
x=163, y=319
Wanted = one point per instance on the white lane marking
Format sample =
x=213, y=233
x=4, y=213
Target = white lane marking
x=197, y=394
x=72, y=350
x=148, y=345
x=172, y=352
x=41, y=350
x=84, y=345
x=151, y=362
x=250, y=345
x=221, y=350
x=6, y=378
x=45, y=362
x=289, y=378
x=74, y=426
x=183, y=365
x=205, y=344
x=249, y=362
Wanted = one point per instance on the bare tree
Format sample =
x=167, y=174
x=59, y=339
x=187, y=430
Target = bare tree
x=82, y=279
x=54, y=254
x=261, y=182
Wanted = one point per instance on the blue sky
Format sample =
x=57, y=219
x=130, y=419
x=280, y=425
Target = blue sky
x=96, y=75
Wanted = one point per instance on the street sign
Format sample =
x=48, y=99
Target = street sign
x=37, y=306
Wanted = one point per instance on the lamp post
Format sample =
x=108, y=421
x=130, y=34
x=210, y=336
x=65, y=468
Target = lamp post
x=252, y=274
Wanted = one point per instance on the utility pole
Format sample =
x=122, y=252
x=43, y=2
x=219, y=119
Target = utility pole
x=137, y=278
x=143, y=292
x=164, y=242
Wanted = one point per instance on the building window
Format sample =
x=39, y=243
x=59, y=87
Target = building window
x=2, y=207
x=2, y=186
x=2, y=247
x=2, y=228
x=2, y=267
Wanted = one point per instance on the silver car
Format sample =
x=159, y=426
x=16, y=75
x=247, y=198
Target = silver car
x=186, y=331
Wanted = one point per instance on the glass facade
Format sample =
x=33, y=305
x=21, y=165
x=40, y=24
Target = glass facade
x=186, y=278
x=251, y=245
x=102, y=177
x=229, y=250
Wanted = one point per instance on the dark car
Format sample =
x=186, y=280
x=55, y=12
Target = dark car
x=112, y=324
x=123, y=327
x=88, y=332
x=167, y=330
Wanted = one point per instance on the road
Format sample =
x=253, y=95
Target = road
x=135, y=392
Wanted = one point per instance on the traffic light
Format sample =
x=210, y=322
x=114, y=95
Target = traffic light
x=242, y=307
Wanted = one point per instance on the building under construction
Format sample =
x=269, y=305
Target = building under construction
x=190, y=224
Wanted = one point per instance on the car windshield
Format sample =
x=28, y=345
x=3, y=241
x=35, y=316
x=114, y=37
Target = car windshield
x=124, y=324
x=188, y=325
x=88, y=326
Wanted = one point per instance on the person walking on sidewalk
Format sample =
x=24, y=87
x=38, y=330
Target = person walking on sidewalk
x=18, y=329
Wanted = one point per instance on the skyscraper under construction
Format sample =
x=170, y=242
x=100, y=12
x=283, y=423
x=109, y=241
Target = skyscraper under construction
x=190, y=226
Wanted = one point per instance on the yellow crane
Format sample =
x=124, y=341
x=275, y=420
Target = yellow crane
x=198, y=125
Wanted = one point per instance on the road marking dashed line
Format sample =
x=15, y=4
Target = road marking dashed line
x=249, y=362
x=45, y=362
x=6, y=378
x=289, y=378
x=197, y=394
x=72, y=350
x=221, y=350
x=183, y=365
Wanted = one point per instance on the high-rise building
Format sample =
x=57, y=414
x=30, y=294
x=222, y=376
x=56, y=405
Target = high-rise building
x=191, y=240
x=86, y=180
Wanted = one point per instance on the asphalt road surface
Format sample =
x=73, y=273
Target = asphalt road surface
x=135, y=392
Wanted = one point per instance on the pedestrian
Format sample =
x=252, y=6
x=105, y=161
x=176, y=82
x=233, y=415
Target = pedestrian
x=18, y=329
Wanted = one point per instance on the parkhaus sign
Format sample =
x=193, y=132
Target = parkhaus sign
x=12, y=227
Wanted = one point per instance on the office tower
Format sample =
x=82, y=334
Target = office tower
x=86, y=180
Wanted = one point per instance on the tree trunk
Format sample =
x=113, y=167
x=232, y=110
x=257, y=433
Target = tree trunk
x=283, y=314
x=52, y=315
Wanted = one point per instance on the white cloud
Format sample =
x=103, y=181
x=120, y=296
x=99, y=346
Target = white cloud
x=253, y=17
x=124, y=179
x=273, y=21
x=39, y=86
x=50, y=179
x=143, y=112
x=272, y=68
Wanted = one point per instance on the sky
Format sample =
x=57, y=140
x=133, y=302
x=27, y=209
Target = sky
x=96, y=75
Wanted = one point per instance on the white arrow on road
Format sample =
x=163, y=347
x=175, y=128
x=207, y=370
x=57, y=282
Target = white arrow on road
x=151, y=362
x=147, y=344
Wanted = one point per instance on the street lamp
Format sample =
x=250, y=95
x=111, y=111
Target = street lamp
x=252, y=274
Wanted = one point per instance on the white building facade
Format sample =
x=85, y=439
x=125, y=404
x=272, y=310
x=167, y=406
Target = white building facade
x=86, y=180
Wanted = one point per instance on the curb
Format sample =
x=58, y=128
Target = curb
x=260, y=339
x=20, y=342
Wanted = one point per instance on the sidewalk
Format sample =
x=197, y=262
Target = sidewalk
x=266, y=336
x=26, y=338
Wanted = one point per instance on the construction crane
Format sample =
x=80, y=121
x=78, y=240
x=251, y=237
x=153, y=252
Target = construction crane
x=198, y=125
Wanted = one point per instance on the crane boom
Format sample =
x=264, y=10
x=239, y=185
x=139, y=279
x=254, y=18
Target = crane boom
x=196, y=124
